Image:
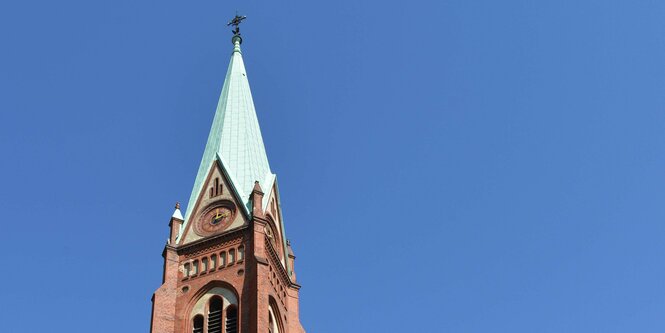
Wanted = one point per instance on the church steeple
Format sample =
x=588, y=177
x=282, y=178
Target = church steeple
x=235, y=138
x=227, y=264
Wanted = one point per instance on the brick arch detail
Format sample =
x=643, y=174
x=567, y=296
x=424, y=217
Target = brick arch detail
x=277, y=313
x=204, y=290
x=278, y=236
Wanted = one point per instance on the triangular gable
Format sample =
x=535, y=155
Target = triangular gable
x=217, y=189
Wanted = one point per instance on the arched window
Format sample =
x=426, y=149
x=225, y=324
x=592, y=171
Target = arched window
x=187, y=270
x=231, y=319
x=274, y=322
x=195, y=267
x=197, y=324
x=213, y=261
x=232, y=256
x=214, y=311
x=222, y=259
x=215, y=315
x=204, y=265
x=216, y=188
x=241, y=253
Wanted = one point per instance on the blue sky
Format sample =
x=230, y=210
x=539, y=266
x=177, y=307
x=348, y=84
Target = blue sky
x=444, y=166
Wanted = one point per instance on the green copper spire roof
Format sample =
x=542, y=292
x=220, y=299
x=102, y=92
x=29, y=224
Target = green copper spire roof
x=235, y=137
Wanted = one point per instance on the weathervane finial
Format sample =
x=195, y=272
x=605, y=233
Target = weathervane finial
x=236, y=23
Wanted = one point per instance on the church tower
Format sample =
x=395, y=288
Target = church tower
x=228, y=266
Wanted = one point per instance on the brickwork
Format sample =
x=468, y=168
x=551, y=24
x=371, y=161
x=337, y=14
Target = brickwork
x=255, y=275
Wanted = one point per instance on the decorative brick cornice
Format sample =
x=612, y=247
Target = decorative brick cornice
x=272, y=254
x=230, y=237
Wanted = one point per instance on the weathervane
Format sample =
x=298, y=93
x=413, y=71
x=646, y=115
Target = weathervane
x=236, y=23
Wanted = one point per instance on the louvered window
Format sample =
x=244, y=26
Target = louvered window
x=197, y=326
x=231, y=319
x=215, y=315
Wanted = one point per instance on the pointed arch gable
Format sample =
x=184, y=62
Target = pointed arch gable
x=210, y=286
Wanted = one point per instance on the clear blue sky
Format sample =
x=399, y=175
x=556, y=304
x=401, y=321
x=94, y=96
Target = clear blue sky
x=445, y=166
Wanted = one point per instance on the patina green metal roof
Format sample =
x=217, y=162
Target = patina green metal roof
x=235, y=137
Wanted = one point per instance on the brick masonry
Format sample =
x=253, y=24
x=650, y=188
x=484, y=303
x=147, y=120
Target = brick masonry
x=258, y=279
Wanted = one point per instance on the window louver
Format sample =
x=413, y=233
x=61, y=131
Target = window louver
x=198, y=324
x=215, y=316
x=231, y=320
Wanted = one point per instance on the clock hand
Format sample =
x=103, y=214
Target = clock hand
x=220, y=215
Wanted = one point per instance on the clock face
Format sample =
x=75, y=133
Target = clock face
x=215, y=219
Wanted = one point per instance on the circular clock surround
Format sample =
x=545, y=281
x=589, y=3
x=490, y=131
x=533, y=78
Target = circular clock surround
x=217, y=217
x=274, y=237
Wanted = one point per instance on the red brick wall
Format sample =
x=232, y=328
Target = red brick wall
x=249, y=279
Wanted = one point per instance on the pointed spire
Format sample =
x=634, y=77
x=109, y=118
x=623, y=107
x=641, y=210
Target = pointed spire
x=175, y=224
x=257, y=200
x=235, y=138
x=257, y=187
x=177, y=214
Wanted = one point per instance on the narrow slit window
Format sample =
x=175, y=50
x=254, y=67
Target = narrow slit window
x=216, y=188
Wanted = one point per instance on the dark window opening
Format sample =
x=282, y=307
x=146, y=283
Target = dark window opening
x=231, y=319
x=215, y=315
x=197, y=326
x=216, y=188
